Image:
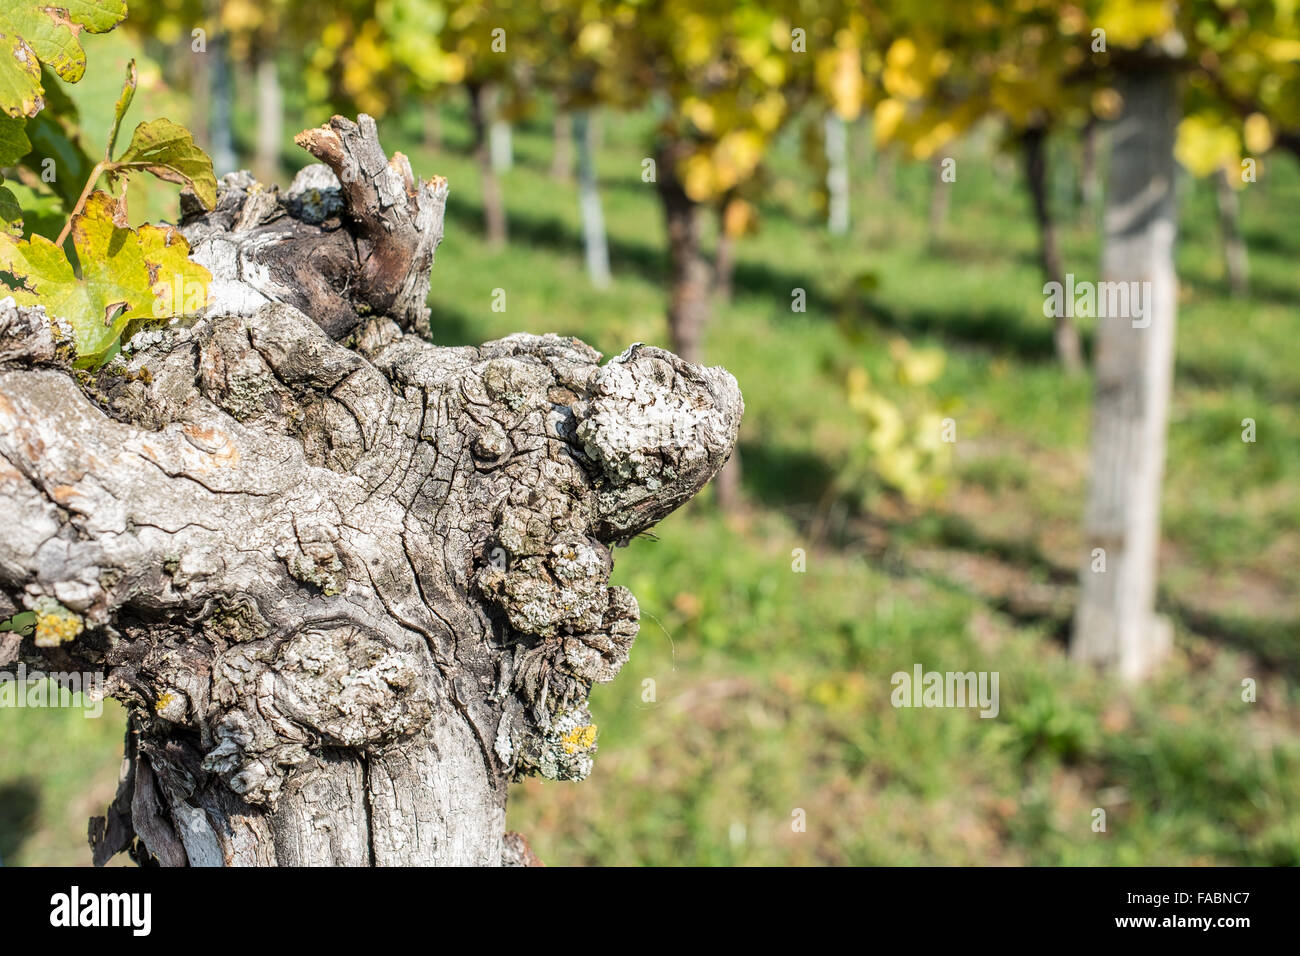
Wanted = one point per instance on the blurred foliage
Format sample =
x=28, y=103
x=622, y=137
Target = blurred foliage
x=907, y=442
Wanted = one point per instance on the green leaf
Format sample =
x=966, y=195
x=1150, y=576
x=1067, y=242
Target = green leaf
x=126, y=276
x=168, y=150
x=11, y=214
x=14, y=144
x=123, y=104
x=37, y=31
x=24, y=623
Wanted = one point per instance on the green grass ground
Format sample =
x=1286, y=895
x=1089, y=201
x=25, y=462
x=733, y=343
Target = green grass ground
x=771, y=688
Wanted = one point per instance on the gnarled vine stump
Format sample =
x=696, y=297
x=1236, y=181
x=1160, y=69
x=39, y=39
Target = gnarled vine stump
x=348, y=583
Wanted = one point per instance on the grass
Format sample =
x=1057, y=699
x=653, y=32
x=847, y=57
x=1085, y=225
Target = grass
x=758, y=697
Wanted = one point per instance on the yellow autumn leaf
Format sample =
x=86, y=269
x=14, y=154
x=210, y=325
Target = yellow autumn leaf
x=888, y=116
x=697, y=177
x=769, y=111
x=845, y=84
x=1129, y=23
x=1280, y=49
x=1106, y=103
x=595, y=38
x=739, y=218
x=700, y=113
x=1206, y=144
x=920, y=366
x=1257, y=133
x=902, y=76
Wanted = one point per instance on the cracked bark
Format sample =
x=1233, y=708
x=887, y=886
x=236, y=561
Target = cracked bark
x=348, y=583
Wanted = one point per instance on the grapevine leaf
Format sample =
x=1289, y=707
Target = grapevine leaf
x=37, y=32
x=168, y=150
x=126, y=276
x=11, y=215
x=14, y=144
x=23, y=623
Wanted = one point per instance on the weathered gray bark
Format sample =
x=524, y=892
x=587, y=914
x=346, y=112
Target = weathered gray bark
x=1115, y=625
x=348, y=583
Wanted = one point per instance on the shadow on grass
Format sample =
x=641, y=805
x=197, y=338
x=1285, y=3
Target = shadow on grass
x=19, y=802
x=997, y=330
x=781, y=478
x=954, y=531
x=1230, y=372
x=1271, y=240
x=1271, y=640
x=1261, y=291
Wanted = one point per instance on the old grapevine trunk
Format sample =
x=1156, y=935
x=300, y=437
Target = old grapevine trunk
x=1235, y=259
x=690, y=282
x=1115, y=625
x=689, y=274
x=348, y=583
x=1065, y=334
x=482, y=112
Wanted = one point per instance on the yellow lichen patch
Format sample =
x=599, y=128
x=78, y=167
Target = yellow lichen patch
x=579, y=738
x=163, y=702
x=56, y=625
